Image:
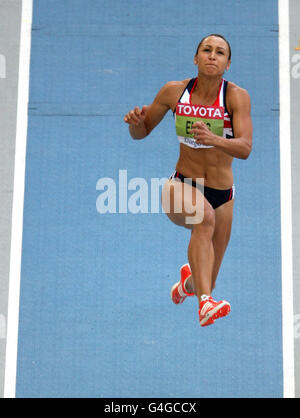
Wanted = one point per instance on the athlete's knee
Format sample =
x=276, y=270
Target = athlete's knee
x=208, y=221
x=209, y=217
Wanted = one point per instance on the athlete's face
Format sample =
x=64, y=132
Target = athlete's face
x=213, y=56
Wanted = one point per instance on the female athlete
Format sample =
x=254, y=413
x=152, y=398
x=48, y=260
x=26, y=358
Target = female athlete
x=213, y=125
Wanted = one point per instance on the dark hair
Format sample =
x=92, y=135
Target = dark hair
x=218, y=36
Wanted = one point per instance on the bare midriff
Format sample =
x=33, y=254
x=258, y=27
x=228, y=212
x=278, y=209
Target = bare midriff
x=211, y=164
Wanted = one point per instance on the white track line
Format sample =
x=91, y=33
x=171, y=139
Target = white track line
x=286, y=202
x=18, y=203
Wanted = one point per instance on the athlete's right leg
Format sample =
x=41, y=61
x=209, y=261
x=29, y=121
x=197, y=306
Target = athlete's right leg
x=186, y=206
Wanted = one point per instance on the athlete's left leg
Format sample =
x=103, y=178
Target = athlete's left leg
x=220, y=240
x=221, y=237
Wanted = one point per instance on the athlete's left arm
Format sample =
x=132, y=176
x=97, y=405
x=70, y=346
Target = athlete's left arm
x=240, y=107
x=241, y=145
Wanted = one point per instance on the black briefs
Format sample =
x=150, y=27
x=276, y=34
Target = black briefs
x=215, y=197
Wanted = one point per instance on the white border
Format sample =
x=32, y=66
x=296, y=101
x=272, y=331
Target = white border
x=18, y=203
x=286, y=206
x=286, y=202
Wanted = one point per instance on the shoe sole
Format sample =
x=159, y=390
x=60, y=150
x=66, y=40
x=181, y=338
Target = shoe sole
x=218, y=312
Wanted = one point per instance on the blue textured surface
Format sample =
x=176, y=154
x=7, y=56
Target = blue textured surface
x=96, y=319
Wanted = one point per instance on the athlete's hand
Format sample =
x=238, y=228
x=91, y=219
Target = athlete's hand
x=202, y=134
x=136, y=116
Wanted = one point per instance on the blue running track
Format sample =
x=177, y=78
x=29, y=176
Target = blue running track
x=96, y=319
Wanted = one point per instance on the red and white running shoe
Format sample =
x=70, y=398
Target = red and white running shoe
x=178, y=291
x=211, y=310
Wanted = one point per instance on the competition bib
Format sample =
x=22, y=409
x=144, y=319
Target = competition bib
x=187, y=114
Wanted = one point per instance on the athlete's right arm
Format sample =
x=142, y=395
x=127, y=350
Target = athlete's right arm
x=143, y=121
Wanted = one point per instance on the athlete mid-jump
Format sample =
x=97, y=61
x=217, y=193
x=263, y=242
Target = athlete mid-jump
x=213, y=125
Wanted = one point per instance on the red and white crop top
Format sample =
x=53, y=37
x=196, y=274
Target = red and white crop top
x=216, y=116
